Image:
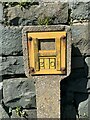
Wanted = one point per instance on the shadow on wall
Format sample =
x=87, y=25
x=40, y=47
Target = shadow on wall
x=74, y=89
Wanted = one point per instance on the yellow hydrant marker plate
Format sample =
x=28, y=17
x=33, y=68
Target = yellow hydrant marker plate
x=47, y=52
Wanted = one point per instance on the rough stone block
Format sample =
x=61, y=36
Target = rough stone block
x=19, y=92
x=55, y=13
x=81, y=38
x=0, y=68
x=88, y=86
x=3, y=113
x=81, y=11
x=32, y=113
x=1, y=11
x=83, y=110
x=89, y=107
x=88, y=64
x=11, y=41
x=1, y=27
x=12, y=65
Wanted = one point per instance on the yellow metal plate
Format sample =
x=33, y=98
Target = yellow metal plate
x=47, y=61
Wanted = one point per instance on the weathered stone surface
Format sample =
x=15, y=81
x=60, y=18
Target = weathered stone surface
x=88, y=64
x=1, y=84
x=32, y=113
x=56, y=12
x=1, y=27
x=81, y=11
x=81, y=38
x=76, y=82
x=83, y=109
x=1, y=11
x=89, y=106
x=0, y=68
x=12, y=65
x=40, y=1
x=19, y=92
x=88, y=86
x=3, y=113
x=48, y=96
x=32, y=1
x=11, y=41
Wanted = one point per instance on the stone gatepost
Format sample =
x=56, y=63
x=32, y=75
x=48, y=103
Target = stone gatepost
x=47, y=58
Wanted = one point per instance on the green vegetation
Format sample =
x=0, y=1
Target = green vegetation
x=21, y=113
x=46, y=20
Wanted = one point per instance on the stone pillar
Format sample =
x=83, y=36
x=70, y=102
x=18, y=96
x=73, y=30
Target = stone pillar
x=48, y=97
x=47, y=86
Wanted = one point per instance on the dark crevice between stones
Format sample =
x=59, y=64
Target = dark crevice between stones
x=6, y=108
x=14, y=21
x=87, y=56
x=13, y=76
x=17, y=55
x=69, y=16
x=88, y=77
x=14, y=100
x=1, y=95
x=31, y=108
x=20, y=21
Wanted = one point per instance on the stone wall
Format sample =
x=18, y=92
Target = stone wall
x=18, y=90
